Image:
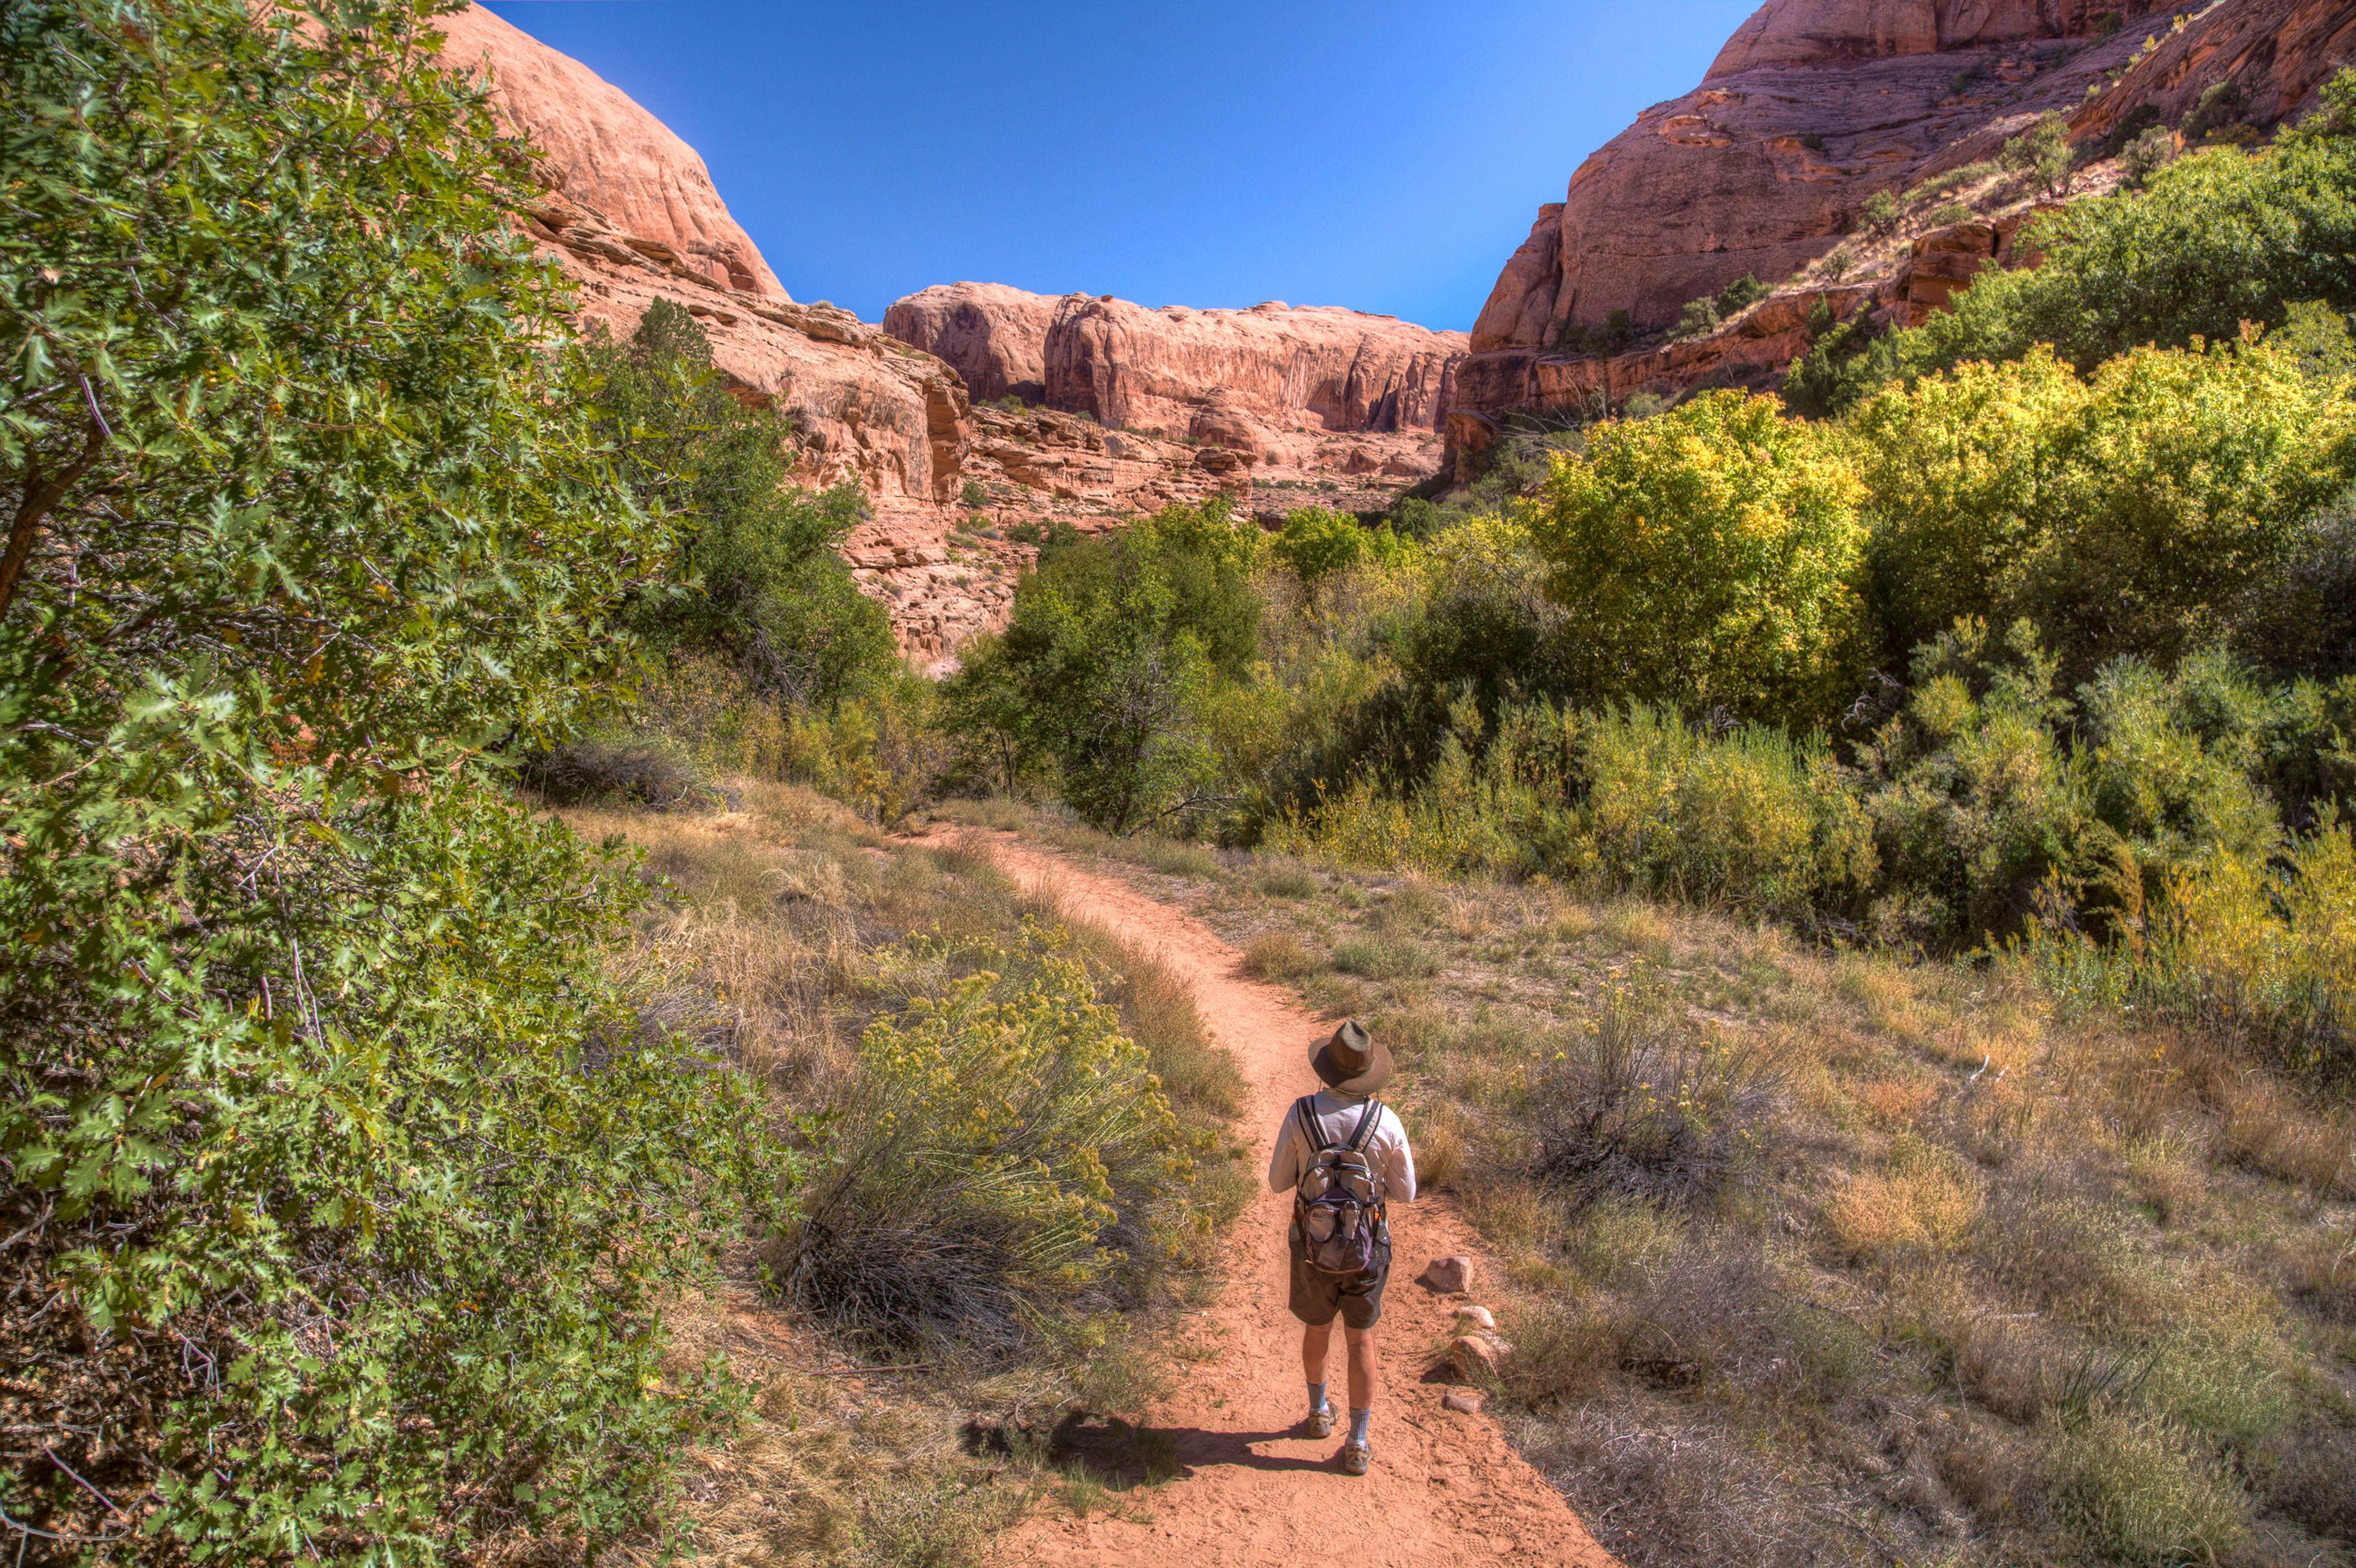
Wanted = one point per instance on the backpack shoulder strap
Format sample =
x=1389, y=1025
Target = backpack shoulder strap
x=1304, y=1110
x=1364, y=1129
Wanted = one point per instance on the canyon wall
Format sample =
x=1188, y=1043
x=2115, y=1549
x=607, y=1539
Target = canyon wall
x=1809, y=109
x=1254, y=382
x=1325, y=406
x=629, y=212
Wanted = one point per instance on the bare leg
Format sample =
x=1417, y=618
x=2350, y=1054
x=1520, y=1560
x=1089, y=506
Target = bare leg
x=1365, y=1380
x=1314, y=1341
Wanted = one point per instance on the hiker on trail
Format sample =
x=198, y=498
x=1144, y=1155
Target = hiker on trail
x=1343, y=1155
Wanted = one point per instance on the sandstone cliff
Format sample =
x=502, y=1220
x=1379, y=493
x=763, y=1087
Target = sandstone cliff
x=1249, y=380
x=1273, y=408
x=1811, y=108
x=995, y=335
x=629, y=212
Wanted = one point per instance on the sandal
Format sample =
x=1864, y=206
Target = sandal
x=1355, y=1458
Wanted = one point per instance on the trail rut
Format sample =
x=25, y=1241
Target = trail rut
x=1251, y=1488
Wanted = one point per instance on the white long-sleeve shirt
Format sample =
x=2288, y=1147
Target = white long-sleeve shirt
x=1387, y=1154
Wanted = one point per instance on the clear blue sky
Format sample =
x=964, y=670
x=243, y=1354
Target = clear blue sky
x=1379, y=154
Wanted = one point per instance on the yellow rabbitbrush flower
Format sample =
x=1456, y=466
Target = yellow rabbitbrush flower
x=997, y=1136
x=1705, y=557
x=2272, y=941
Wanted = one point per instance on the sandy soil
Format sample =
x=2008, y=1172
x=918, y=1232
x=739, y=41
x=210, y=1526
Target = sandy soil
x=1252, y=1489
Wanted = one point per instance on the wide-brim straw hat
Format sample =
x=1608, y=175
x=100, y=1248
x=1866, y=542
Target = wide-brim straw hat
x=1351, y=1062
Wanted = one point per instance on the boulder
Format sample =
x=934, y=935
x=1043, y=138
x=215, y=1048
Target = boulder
x=1475, y=1357
x=1448, y=1276
x=1463, y=1401
x=1477, y=1317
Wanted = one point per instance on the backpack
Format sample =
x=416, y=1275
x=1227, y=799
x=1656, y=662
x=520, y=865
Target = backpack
x=1334, y=1210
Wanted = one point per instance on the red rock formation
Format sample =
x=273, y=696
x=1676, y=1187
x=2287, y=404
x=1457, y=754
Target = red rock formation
x=608, y=161
x=1812, y=107
x=630, y=213
x=1239, y=379
x=995, y=335
x=628, y=210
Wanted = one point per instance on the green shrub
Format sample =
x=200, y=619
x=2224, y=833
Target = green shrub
x=1704, y=557
x=2300, y=618
x=1881, y=214
x=2263, y=945
x=2220, y=105
x=1844, y=365
x=1698, y=319
x=1107, y=671
x=2043, y=150
x=2215, y=239
x=1975, y=803
x=1994, y=797
x=2151, y=150
x=1748, y=818
x=317, y=1110
x=1631, y=1105
x=759, y=578
x=1001, y=1152
x=1317, y=543
x=1705, y=315
x=1947, y=216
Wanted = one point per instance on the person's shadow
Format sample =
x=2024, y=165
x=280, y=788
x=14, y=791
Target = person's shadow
x=1198, y=1447
x=1115, y=1454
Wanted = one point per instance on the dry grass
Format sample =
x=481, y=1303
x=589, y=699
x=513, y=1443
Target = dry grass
x=1278, y=956
x=1992, y=1283
x=782, y=934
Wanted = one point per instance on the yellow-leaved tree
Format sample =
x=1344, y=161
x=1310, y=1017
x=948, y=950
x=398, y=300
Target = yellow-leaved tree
x=1704, y=557
x=2127, y=512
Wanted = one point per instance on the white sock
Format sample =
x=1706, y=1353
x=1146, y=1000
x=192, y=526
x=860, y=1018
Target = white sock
x=1316, y=1398
x=1359, y=1419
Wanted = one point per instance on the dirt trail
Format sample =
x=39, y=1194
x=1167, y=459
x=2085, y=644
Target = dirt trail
x=1252, y=1489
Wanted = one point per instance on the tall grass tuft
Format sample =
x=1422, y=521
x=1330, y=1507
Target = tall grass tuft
x=1634, y=1104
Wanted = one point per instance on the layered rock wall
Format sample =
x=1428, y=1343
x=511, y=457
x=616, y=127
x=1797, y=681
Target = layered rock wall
x=1811, y=108
x=1239, y=379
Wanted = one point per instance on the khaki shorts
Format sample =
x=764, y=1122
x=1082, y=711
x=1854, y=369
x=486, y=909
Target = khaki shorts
x=1317, y=1296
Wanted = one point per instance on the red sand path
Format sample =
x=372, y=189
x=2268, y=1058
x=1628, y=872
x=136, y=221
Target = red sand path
x=1251, y=1489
